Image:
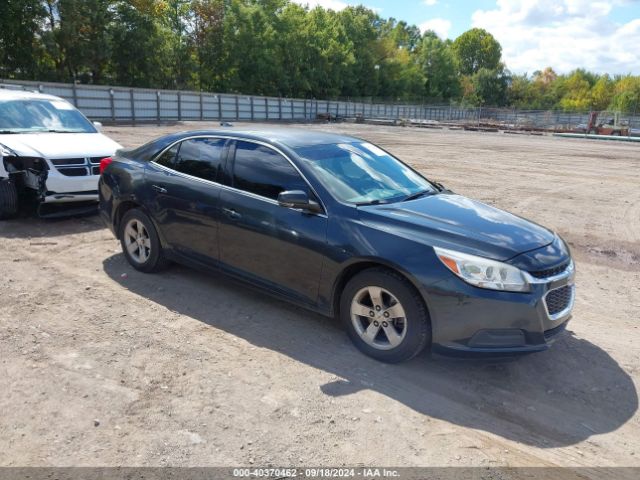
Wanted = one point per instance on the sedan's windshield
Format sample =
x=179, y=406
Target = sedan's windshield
x=362, y=173
x=41, y=115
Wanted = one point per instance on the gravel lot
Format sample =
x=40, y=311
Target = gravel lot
x=99, y=368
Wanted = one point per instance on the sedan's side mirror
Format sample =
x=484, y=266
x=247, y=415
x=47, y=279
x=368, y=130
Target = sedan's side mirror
x=298, y=199
x=98, y=126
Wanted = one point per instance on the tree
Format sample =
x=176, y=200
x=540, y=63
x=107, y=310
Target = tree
x=626, y=95
x=77, y=37
x=439, y=68
x=135, y=32
x=602, y=93
x=20, y=47
x=476, y=49
x=278, y=47
x=208, y=31
x=576, y=91
x=490, y=86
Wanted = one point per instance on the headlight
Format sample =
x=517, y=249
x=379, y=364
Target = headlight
x=7, y=152
x=483, y=272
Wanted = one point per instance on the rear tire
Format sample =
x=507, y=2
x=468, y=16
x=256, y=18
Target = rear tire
x=141, y=243
x=8, y=199
x=385, y=316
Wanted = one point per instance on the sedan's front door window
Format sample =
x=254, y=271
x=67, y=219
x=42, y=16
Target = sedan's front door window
x=200, y=157
x=261, y=170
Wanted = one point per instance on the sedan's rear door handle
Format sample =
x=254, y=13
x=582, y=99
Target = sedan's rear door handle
x=159, y=189
x=231, y=213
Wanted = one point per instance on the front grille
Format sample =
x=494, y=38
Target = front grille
x=78, y=167
x=550, y=272
x=69, y=161
x=559, y=299
x=73, y=171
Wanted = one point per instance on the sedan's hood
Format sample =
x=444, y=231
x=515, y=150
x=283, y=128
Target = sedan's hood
x=459, y=223
x=59, y=145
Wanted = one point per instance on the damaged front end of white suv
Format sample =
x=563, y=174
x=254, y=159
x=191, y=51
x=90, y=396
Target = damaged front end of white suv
x=50, y=151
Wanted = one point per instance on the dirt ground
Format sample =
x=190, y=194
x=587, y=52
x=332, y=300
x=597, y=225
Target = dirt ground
x=101, y=365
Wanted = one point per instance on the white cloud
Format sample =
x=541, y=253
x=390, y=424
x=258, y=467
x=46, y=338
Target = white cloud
x=336, y=5
x=563, y=34
x=430, y=3
x=439, y=25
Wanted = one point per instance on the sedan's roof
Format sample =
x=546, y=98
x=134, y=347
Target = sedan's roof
x=289, y=136
x=284, y=136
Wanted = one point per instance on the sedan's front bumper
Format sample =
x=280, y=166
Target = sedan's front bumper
x=470, y=320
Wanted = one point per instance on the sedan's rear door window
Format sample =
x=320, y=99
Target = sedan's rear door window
x=263, y=171
x=168, y=156
x=200, y=157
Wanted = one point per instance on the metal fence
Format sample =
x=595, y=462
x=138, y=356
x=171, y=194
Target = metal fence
x=140, y=105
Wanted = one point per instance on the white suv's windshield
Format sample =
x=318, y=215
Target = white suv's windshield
x=35, y=115
x=362, y=173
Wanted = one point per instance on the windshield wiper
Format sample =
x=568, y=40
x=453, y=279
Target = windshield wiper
x=53, y=130
x=419, y=194
x=7, y=132
x=371, y=202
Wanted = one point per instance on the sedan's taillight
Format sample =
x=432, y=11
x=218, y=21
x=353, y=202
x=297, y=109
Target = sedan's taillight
x=104, y=163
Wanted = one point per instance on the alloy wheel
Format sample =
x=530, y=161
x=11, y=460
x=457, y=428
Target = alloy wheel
x=378, y=317
x=137, y=241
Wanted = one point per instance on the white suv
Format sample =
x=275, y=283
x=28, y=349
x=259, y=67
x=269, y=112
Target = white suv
x=49, y=147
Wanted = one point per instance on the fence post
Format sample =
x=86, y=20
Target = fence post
x=219, y=107
x=237, y=108
x=305, y=109
x=251, y=103
x=179, y=106
x=112, y=105
x=292, y=110
x=280, y=108
x=158, y=106
x=266, y=108
x=74, y=92
x=201, y=109
x=133, y=106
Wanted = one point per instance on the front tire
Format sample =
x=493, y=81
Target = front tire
x=385, y=315
x=8, y=199
x=140, y=242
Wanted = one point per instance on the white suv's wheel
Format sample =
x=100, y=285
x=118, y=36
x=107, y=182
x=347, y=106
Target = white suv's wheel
x=8, y=198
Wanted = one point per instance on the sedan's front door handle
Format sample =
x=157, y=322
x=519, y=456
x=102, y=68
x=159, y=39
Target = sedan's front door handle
x=231, y=213
x=159, y=189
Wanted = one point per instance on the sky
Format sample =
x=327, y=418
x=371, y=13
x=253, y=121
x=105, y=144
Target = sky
x=601, y=36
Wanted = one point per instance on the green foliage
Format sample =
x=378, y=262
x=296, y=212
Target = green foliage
x=489, y=87
x=438, y=64
x=476, y=49
x=279, y=48
x=19, y=25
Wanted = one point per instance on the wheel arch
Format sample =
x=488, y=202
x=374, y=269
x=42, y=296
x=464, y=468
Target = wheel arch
x=356, y=266
x=123, y=207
